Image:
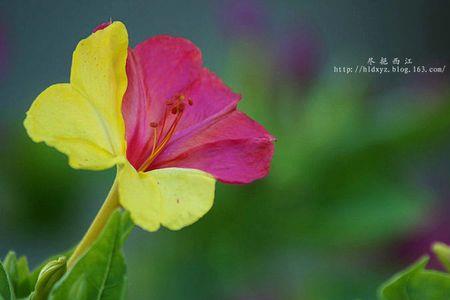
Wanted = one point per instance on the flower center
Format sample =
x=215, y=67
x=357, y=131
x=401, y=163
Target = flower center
x=161, y=136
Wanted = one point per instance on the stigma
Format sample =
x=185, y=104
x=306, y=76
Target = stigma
x=165, y=129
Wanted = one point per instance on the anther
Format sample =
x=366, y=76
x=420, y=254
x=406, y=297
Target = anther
x=153, y=124
x=181, y=97
x=190, y=102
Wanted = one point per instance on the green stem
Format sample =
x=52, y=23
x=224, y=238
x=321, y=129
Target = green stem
x=109, y=206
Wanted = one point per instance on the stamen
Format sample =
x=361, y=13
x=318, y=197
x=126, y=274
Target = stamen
x=166, y=111
x=160, y=139
x=168, y=135
x=158, y=149
x=155, y=133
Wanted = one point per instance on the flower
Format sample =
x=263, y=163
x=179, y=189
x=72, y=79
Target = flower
x=169, y=124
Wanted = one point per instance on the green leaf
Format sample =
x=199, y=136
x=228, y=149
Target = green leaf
x=397, y=287
x=100, y=273
x=442, y=251
x=6, y=289
x=79, y=289
x=19, y=274
x=417, y=283
x=430, y=285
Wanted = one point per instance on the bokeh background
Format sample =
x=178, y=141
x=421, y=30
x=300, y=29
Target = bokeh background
x=359, y=186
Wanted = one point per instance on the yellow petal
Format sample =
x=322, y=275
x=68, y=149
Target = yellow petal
x=172, y=197
x=139, y=194
x=98, y=72
x=83, y=119
x=187, y=194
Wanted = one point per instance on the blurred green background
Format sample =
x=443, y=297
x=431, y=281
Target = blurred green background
x=359, y=186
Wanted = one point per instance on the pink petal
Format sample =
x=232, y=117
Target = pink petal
x=234, y=149
x=136, y=112
x=157, y=69
x=211, y=99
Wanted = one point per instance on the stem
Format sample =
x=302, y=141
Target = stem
x=109, y=206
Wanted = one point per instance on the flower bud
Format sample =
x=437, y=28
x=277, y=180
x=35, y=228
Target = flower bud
x=48, y=276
